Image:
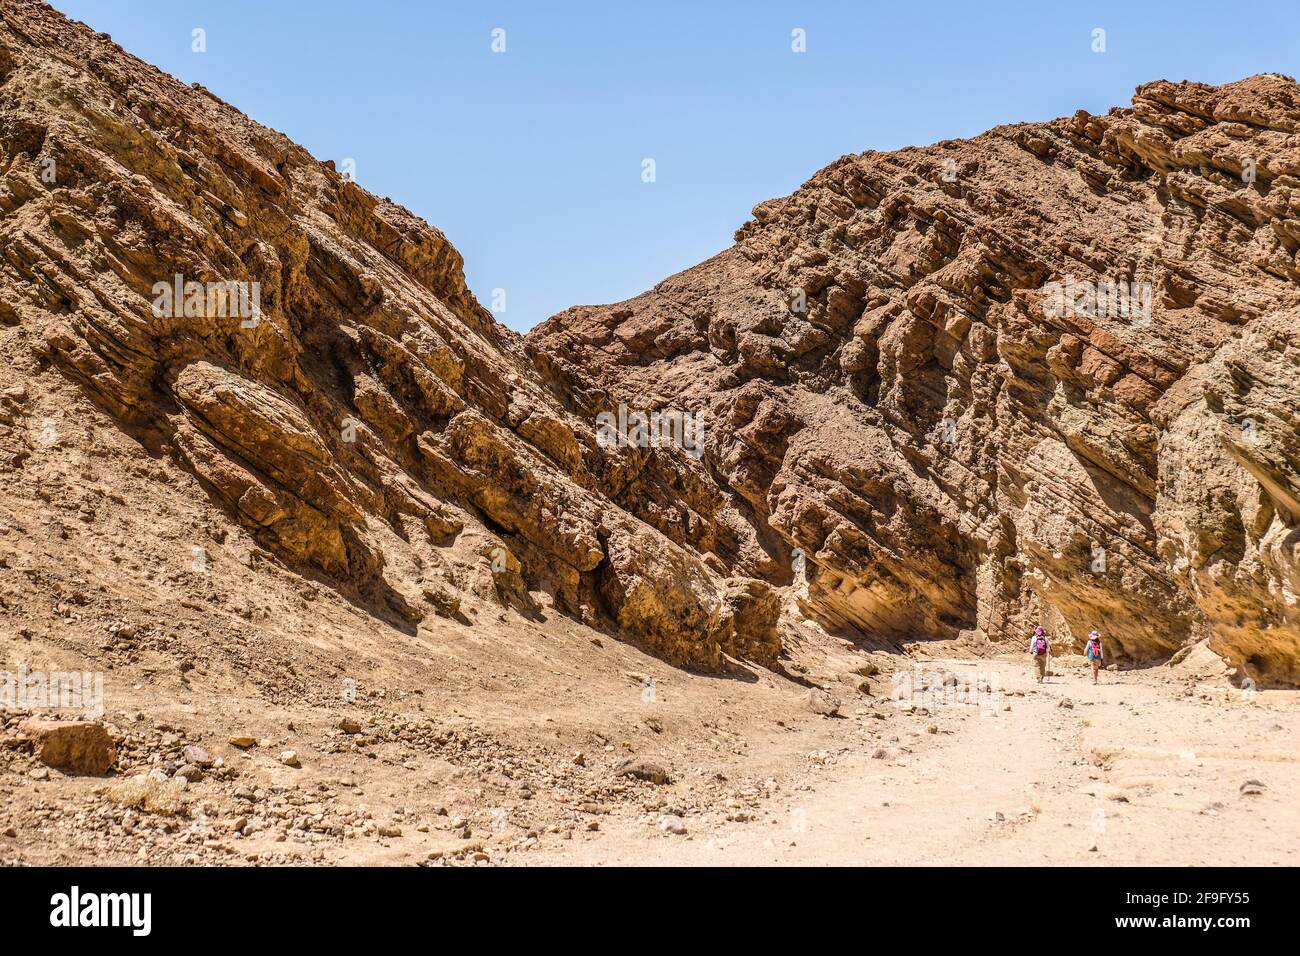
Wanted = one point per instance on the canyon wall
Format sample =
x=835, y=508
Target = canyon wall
x=1050, y=374
x=371, y=423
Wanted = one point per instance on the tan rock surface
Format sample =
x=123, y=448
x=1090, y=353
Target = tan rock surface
x=377, y=531
x=79, y=746
x=891, y=388
x=371, y=413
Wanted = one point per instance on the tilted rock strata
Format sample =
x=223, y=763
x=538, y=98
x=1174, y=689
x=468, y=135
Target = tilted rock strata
x=904, y=428
x=892, y=387
x=371, y=420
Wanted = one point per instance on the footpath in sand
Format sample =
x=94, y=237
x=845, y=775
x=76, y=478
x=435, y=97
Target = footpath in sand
x=1141, y=769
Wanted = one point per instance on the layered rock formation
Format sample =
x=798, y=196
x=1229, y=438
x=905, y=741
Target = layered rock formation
x=1048, y=374
x=1051, y=373
x=312, y=354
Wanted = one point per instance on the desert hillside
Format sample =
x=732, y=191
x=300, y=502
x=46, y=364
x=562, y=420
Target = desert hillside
x=1047, y=375
x=371, y=425
x=368, y=577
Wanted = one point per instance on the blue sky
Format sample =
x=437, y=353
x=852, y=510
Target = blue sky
x=531, y=160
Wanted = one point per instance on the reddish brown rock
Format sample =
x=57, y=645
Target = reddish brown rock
x=1043, y=375
x=895, y=394
x=370, y=420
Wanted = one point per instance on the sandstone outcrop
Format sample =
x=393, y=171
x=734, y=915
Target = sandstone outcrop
x=1050, y=374
x=311, y=353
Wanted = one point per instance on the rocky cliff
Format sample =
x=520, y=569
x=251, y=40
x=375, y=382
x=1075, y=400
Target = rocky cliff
x=311, y=353
x=1051, y=373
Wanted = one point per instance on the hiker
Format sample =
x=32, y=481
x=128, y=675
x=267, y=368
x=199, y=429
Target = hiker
x=1094, y=653
x=1040, y=646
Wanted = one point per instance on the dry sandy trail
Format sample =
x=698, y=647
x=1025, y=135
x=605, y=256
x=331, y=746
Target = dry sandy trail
x=1135, y=767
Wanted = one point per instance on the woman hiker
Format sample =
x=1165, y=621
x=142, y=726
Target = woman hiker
x=1093, y=652
x=1040, y=646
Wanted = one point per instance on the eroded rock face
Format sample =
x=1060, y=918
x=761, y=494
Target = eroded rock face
x=312, y=355
x=1051, y=374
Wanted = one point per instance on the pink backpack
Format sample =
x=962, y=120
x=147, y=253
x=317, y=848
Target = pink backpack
x=1040, y=646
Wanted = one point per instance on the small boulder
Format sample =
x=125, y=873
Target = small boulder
x=823, y=702
x=197, y=755
x=349, y=725
x=79, y=746
x=671, y=823
x=643, y=770
x=445, y=604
